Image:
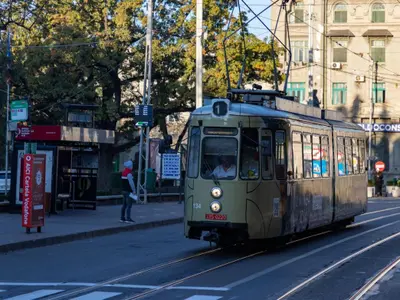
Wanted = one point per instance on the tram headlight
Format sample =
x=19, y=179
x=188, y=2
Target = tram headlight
x=216, y=192
x=215, y=206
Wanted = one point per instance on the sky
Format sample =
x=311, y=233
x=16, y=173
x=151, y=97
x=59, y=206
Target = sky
x=256, y=26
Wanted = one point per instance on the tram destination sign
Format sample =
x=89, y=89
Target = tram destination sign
x=144, y=115
x=381, y=127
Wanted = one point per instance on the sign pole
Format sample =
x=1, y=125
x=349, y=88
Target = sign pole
x=371, y=112
x=8, y=108
x=199, y=53
x=144, y=132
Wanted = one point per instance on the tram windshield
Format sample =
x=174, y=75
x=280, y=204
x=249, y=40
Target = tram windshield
x=219, y=158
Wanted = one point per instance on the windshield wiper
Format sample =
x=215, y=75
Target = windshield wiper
x=214, y=178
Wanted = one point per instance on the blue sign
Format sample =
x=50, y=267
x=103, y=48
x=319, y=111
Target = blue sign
x=144, y=115
x=171, y=166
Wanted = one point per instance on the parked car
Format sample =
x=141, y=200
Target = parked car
x=3, y=181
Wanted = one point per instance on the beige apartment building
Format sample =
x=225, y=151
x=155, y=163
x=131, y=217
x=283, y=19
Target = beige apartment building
x=345, y=38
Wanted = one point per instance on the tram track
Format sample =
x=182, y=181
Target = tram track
x=359, y=294
x=309, y=281
x=78, y=291
x=165, y=286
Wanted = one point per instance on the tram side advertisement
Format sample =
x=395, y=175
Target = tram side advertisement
x=34, y=178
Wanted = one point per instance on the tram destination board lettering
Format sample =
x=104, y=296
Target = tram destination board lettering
x=171, y=166
x=144, y=115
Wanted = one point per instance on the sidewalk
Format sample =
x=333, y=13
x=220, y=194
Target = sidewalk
x=384, y=199
x=72, y=225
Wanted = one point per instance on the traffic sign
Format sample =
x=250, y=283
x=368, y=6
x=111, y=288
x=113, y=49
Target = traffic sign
x=380, y=166
x=19, y=111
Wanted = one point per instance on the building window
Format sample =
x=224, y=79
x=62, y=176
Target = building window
x=339, y=93
x=298, y=90
x=300, y=51
x=340, y=15
x=339, y=51
x=378, y=50
x=378, y=13
x=298, y=15
x=378, y=90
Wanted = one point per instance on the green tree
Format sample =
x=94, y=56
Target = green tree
x=92, y=52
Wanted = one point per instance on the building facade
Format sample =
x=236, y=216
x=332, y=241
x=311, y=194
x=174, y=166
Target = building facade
x=346, y=54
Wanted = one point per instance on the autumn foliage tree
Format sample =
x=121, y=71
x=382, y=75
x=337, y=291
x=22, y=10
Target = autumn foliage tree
x=92, y=52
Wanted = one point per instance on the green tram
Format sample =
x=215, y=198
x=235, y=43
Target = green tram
x=259, y=172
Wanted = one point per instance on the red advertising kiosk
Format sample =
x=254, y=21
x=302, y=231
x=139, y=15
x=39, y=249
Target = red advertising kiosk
x=33, y=199
x=71, y=165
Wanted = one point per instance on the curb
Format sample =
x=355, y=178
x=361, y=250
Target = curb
x=85, y=235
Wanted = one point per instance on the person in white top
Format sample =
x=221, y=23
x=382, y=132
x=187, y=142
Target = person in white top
x=226, y=169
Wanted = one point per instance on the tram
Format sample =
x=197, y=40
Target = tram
x=271, y=170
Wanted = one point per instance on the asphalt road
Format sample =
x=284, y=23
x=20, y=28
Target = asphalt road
x=161, y=264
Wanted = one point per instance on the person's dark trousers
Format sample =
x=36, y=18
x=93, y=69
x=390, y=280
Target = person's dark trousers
x=126, y=207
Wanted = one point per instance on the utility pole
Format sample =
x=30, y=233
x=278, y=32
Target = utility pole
x=371, y=112
x=376, y=81
x=8, y=107
x=145, y=132
x=310, y=55
x=199, y=53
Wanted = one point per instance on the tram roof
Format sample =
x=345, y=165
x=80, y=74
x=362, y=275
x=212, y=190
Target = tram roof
x=244, y=109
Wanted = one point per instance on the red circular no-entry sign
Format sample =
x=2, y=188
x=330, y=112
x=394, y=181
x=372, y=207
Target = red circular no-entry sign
x=380, y=166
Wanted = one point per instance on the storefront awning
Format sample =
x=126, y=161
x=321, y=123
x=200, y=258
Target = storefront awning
x=377, y=33
x=64, y=134
x=340, y=33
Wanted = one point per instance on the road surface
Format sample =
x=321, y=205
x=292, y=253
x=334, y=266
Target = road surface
x=161, y=264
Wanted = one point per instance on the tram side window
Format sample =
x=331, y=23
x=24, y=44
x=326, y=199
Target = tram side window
x=316, y=156
x=297, y=155
x=356, y=158
x=267, y=170
x=249, y=158
x=341, y=156
x=307, y=156
x=280, y=154
x=325, y=167
x=349, y=158
x=194, y=151
x=362, y=155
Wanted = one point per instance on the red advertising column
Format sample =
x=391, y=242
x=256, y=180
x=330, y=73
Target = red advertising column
x=33, y=195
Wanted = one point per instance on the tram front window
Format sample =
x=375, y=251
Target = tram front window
x=219, y=157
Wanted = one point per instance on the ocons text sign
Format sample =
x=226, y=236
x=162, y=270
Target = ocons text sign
x=381, y=127
x=33, y=179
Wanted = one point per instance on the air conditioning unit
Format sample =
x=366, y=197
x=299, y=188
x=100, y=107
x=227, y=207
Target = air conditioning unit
x=360, y=78
x=336, y=65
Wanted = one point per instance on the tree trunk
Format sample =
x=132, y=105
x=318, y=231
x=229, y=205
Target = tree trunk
x=105, y=168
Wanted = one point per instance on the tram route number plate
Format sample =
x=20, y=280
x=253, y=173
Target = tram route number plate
x=216, y=217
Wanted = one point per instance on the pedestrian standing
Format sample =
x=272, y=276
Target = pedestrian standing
x=378, y=183
x=128, y=192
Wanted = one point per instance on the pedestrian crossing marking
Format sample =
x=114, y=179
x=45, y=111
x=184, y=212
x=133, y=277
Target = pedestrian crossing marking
x=35, y=295
x=97, y=296
x=201, y=297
